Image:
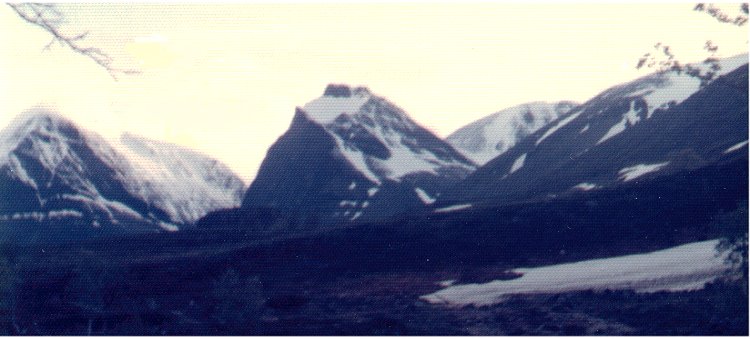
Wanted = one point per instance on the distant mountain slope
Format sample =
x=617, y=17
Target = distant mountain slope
x=59, y=182
x=351, y=156
x=180, y=181
x=658, y=124
x=491, y=136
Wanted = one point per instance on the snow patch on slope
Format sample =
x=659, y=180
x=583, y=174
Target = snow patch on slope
x=344, y=203
x=630, y=173
x=168, y=227
x=357, y=159
x=686, y=267
x=585, y=186
x=735, y=147
x=356, y=215
x=403, y=161
x=629, y=118
x=452, y=208
x=19, y=172
x=518, y=164
x=558, y=126
x=372, y=191
x=41, y=216
x=426, y=198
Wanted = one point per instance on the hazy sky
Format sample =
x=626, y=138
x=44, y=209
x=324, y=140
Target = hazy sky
x=226, y=79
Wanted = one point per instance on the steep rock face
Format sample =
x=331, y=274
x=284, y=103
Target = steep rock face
x=353, y=156
x=303, y=173
x=491, y=136
x=655, y=125
x=60, y=183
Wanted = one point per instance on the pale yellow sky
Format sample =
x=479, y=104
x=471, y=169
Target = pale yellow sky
x=225, y=79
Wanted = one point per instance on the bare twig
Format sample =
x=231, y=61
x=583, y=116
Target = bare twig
x=663, y=60
x=49, y=18
x=718, y=14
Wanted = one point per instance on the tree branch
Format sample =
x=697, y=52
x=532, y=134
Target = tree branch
x=47, y=17
x=718, y=14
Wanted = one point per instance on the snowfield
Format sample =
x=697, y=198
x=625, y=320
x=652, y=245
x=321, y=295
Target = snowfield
x=681, y=268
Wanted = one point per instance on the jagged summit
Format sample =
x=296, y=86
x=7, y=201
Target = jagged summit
x=334, y=90
x=337, y=100
x=378, y=137
x=351, y=155
x=345, y=91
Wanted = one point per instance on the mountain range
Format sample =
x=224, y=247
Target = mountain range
x=60, y=182
x=353, y=157
x=624, y=214
x=659, y=124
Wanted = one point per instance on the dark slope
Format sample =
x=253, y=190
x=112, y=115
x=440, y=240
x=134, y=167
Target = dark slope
x=696, y=132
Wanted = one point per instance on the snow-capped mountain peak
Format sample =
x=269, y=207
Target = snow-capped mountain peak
x=378, y=137
x=352, y=155
x=336, y=100
x=491, y=136
x=48, y=166
x=38, y=123
x=182, y=182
